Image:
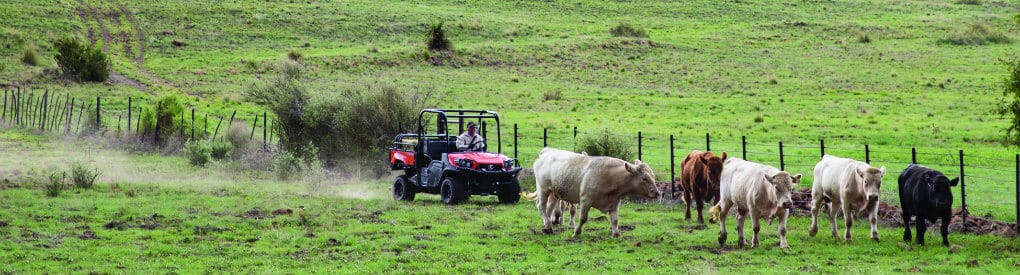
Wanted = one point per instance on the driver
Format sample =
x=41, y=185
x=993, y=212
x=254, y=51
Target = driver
x=470, y=140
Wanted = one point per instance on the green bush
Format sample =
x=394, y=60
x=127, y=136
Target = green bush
x=1011, y=100
x=29, y=57
x=976, y=34
x=626, y=30
x=147, y=121
x=238, y=135
x=294, y=55
x=605, y=143
x=83, y=62
x=969, y=2
x=197, y=152
x=437, y=39
x=220, y=149
x=287, y=165
x=168, y=117
x=82, y=176
x=56, y=184
x=552, y=95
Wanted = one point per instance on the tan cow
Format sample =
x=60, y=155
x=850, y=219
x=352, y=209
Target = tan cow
x=756, y=190
x=849, y=185
x=589, y=181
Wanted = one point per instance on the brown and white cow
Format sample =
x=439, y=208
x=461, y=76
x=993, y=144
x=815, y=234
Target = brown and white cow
x=700, y=180
x=756, y=190
x=589, y=181
x=849, y=185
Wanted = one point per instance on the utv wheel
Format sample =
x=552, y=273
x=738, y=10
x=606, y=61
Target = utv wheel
x=452, y=191
x=510, y=193
x=402, y=189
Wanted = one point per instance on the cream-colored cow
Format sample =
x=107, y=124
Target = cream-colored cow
x=849, y=185
x=756, y=190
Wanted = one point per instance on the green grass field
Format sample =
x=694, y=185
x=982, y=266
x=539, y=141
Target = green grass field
x=849, y=72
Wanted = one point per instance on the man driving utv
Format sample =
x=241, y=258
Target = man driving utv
x=470, y=140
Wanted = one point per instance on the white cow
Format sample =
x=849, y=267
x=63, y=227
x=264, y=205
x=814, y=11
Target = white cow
x=849, y=185
x=599, y=182
x=755, y=189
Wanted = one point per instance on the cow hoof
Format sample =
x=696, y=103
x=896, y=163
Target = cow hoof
x=784, y=246
x=616, y=235
x=547, y=230
x=722, y=239
x=813, y=232
x=741, y=243
x=875, y=238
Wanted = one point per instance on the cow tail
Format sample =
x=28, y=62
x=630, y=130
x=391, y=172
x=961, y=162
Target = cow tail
x=714, y=213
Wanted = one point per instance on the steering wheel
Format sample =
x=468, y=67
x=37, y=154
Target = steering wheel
x=471, y=147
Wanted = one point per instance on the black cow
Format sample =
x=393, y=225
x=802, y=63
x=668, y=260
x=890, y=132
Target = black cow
x=925, y=194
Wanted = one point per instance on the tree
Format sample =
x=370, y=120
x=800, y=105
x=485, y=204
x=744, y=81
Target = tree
x=1011, y=100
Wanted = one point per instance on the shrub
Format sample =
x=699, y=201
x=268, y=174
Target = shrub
x=197, y=152
x=220, y=149
x=238, y=136
x=82, y=176
x=976, y=34
x=83, y=62
x=626, y=30
x=294, y=55
x=29, y=57
x=437, y=39
x=605, y=143
x=56, y=184
x=863, y=38
x=969, y=2
x=168, y=113
x=286, y=165
x=1011, y=100
x=552, y=95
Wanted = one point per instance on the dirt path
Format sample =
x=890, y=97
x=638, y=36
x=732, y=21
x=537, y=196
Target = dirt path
x=139, y=35
x=95, y=14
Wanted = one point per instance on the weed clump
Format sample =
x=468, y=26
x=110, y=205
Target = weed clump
x=29, y=57
x=863, y=38
x=295, y=55
x=197, y=152
x=82, y=176
x=56, y=184
x=83, y=62
x=437, y=39
x=976, y=34
x=605, y=143
x=969, y=2
x=552, y=95
x=220, y=149
x=238, y=138
x=626, y=30
x=286, y=165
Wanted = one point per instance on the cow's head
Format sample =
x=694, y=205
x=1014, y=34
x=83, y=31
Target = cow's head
x=938, y=190
x=714, y=165
x=784, y=184
x=872, y=181
x=642, y=179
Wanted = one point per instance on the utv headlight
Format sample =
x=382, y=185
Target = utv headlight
x=466, y=163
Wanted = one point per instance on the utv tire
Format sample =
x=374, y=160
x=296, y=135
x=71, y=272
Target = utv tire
x=451, y=191
x=510, y=193
x=402, y=189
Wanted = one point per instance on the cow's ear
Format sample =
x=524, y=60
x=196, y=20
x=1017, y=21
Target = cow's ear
x=724, y=155
x=860, y=171
x=796, y=178
x=768, y=179
x=882, y=170
x=633, y=169
x=954, y=181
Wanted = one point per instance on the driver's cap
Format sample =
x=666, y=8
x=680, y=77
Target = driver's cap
x=472, y=125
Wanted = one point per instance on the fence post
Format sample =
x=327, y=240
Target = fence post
x=913, y=154
x=129, y=115
x=138, y=124
x=743, y=147
x=230, y=122
x=516, y=144
x=255, y=123
x=708, y=142
x=672, y=170
x=4, y=116
x=639, y=145
x=217, y=131
x=265, y=125
x=963, y=192
x=99, y=121
x=575, y=138
x=782, y=162
x=867, y=154
x=822, y=145
x=545, y=137
x=192, y=123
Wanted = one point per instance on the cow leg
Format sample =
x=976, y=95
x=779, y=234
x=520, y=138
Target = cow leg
x=873, y=218
x=945, y=230
x=816, y=207
x=783, y=214
x=701, y=206
x=922, y=226
x=833, y=211
x=741, y=215
x=756, y=223
x=557, y=217
x=906, y=226
x=543, y=205
x=687, y=203
x=614, y=219
x=585, y=206
x=724, y=212
x=848, y=217
x=573, y=213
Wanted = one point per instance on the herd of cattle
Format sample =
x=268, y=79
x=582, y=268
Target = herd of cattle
x=565, y=180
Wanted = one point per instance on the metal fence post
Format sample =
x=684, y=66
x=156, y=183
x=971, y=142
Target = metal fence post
x=639, y=145
x=743, y=146
x=672, y=172
x=708, y=142
x=822, y=145
x=867, y=154
x=963, y=192
x=192, y=123
x=545, y=137
x=575, y=138
x=129, y=115
x=782, y=162
x=99, y=121
x=516, y=145
x=913, y=154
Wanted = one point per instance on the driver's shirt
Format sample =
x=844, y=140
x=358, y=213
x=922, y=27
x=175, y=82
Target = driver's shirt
x=463, y=140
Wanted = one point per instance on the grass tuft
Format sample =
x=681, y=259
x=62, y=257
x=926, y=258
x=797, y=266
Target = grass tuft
x=82, y=176
x=627, y=30
x=976, y=33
